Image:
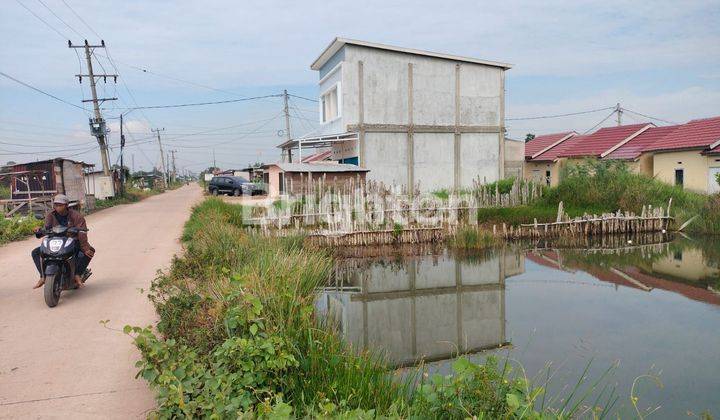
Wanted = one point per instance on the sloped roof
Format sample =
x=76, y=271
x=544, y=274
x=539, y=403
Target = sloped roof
x=338, y=43
x=319, y=156
x=317, y=167
x=555, y=152
x=602, y=140
x=696, y=134
x=544, y=141
x=643, y=142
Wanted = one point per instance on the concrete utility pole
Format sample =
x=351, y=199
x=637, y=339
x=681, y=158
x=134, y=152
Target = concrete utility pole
x=286, y=110
x=162, y=155
x=174, y=168
x=97, y=124
x=122, y=162
x=619, y=112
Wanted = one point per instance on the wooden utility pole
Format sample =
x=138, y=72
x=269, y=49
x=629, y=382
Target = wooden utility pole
x=97, y=124
x=162, y=155
x=619, y=112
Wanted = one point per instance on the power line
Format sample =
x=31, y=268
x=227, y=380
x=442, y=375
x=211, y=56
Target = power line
x=602, y=121
x=560, y=115
x=302, y=97
x=204, y=103
x=42, y=20
x=41, y=91
x=649, y=117
x=81, y=19
x=60, y=19
x=232, y=140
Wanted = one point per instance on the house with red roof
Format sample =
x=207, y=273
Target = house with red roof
x=637, y=151
x=690, y=156
x=541, y=160
x=687, y=155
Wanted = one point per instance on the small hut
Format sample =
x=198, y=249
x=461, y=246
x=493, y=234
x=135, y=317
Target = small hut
x=33, y=184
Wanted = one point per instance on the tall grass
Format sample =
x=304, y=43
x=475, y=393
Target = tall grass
x=238, y=335
x=17, y=227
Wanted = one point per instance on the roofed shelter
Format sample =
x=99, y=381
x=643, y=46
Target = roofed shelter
x=293, y=178
x=34, y=183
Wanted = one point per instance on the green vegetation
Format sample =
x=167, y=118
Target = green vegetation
x=18, y=227
x=472, y=238
x=238, y=337
x=4, y=192
x=132, y=195
x=606, y=186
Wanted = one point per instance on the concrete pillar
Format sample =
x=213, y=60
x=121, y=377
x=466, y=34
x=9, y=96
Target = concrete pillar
x=456, y=143
x=410, y=140
x=361, y=117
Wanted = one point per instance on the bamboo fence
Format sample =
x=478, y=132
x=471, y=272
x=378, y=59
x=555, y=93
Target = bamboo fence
x=651, y=219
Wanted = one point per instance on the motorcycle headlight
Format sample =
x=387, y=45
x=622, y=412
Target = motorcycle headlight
x=55, y=245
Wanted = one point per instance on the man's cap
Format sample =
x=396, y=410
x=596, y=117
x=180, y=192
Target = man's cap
x=61, y=199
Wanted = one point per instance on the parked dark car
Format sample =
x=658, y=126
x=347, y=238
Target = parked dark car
x=232, y=185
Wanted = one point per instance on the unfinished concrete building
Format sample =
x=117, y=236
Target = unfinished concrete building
x=411, y=117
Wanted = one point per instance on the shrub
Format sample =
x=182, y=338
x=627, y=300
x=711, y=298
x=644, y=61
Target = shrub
x=17, y=227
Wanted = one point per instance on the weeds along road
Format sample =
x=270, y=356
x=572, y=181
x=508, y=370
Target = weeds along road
x=62, y=362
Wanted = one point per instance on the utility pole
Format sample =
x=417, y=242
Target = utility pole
x=122, y=162
x=97, y=124
x=133, y=162
x=619, y=112
x=214, y=162
x=162, y=154
x=286, y=110
x=174, y=168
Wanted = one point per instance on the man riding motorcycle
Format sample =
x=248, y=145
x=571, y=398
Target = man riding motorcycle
x=63, y=215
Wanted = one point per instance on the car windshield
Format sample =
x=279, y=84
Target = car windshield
x=240, y=179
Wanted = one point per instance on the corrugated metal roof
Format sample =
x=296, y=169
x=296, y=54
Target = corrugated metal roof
x=645, y=141
x=553, y=153
x=602, y=140
x=319, y=156
x=338, y=43
x=544, y=141
x=693, y=135
x=318, y=167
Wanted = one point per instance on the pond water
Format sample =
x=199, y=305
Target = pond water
x=651, y=309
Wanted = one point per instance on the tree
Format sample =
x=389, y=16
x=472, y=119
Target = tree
x=529, y=136
x=717, y=178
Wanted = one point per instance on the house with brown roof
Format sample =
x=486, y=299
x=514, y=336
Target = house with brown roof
x=690, y=156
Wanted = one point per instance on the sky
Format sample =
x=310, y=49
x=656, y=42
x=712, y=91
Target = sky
x=657, y=58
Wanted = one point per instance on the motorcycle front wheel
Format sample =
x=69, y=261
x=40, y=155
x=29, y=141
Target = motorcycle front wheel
x=53, y=287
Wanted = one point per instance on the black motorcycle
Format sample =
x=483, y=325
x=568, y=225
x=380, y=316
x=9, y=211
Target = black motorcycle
x=58, y=253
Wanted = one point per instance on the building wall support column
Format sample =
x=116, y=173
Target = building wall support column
x=361, y=116
x=410, y=136
x=456, y=143
x=501, y=135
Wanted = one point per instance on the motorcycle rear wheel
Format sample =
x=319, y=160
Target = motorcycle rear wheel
x=53, y=287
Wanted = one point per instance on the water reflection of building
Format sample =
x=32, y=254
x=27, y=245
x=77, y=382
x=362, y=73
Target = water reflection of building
x=687, y=264
x=683, y=270
x=429, y=307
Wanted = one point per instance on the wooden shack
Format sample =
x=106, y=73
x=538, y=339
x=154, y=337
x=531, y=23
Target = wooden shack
x=291, y=178
x=33, y=184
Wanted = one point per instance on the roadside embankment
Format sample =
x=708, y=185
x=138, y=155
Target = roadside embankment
x=238, y=336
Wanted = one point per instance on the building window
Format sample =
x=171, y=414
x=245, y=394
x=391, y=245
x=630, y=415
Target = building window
x=329, y=104
x=547, y=177
x=679, y=177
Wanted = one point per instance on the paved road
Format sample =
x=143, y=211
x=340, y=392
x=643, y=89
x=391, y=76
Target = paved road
x=62, y=362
